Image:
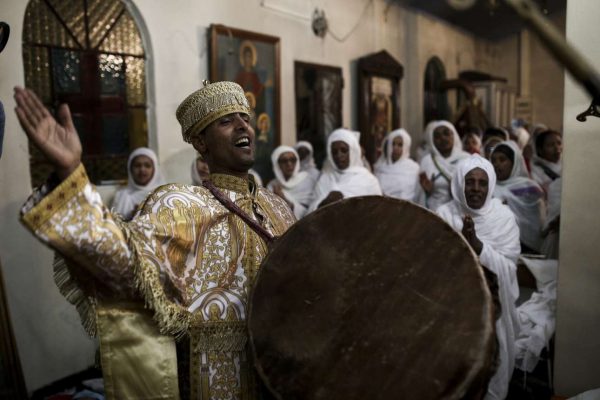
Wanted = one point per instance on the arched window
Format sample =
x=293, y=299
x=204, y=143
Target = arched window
x=89, y=54
x=435, y=100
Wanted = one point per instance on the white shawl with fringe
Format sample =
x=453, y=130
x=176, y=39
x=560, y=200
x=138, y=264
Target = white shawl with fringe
x=496, y=228
x=353, y=181
x=400, y=178
x=440, y=169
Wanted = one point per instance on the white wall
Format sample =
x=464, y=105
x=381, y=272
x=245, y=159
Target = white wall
x=578, y=315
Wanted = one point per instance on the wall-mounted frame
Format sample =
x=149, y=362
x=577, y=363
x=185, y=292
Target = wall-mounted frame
x=379, y=77
x=252, y=60
x=318, y=104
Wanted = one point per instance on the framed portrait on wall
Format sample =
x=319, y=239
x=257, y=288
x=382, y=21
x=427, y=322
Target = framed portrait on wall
x=318, y=104
x=379, y=100
x=252, y=60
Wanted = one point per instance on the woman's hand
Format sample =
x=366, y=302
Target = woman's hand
x=58, y=141
x=426, y=183
x=469, y=233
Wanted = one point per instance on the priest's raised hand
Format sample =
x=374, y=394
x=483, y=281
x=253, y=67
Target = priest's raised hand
x=57, y=140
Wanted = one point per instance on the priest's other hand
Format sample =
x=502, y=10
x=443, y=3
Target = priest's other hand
x=469, y=233
x=57, y=140
x=332, y=197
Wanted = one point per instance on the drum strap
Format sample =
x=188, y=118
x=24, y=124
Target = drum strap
x=231, y=206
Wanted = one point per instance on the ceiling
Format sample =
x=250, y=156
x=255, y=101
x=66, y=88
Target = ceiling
x=479, y=19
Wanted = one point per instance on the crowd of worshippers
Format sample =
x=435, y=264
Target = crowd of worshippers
x=499, y=189
x=526, y=169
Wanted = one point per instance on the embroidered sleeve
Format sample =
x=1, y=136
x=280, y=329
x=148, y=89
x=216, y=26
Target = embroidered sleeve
x=73, y=220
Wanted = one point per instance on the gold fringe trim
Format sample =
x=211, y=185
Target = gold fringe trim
x=68, y=287
x=220, y=336
x=172, y=318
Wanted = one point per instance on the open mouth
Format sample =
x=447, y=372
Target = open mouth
x=243, y=142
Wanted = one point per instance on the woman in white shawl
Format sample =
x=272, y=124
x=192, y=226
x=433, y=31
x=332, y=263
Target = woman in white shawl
x=291, y=184
x=522, y=194
x=491, y=230
x=398, y=175
x=438, y=166
x=143, y=177
x=307, y=160
x=546, y=165
x=346, y=177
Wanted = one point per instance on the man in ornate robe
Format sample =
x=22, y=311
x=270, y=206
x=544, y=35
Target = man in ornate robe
x=188, y=254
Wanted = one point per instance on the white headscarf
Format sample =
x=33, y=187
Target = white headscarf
x=440, y=169
x=458, y=184
x=496, y=228
x=130, y=197
x=524, y=197
x=299, y=188
x=424, y=147
x=522, y=136
x=399, y=179
x=353, y=181
x=308, y=164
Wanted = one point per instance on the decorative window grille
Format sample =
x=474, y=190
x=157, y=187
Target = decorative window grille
x=89, y=54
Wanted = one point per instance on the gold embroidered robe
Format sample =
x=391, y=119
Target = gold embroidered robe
x=191, y=261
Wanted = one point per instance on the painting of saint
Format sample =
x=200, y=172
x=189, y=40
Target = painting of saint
x=263, y=125
x=252, y=60
x=247, y=76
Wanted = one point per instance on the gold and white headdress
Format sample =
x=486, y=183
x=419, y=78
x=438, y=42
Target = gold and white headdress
x=208, y=104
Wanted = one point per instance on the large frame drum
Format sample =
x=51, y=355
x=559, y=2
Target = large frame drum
x=372, y=298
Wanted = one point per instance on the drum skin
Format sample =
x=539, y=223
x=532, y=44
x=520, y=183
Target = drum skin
x=372, y=298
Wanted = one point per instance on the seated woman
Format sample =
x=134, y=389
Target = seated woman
x=438, y=166
x=472, y=143
x=143, y=177
x=488, y=146
x=491, y=230
x=546, y=165
x=292, y=185
x=522, y=194
x=200, y=171
x=398, y=175
x=307, y=160
x=346, y=176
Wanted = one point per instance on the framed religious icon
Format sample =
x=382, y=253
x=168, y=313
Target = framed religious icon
x=318, y=104
x=379, y=78
x=252, y=60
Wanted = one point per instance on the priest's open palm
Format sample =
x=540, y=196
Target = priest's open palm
x=57, y=140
